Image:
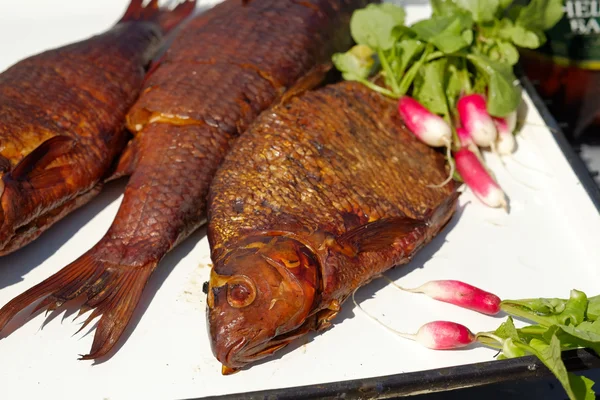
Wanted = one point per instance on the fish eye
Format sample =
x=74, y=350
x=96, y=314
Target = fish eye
x=241, y=292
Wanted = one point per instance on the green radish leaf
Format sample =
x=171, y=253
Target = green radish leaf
x=550, y=354
x=355, y=64
x=408, y=50
x=526, y=38
x=593, y=310
x=449, y=44
x=540, y=15
x=508, y=53
x=573, y=337
x=454, y=83
x=444, y=8
x=503, y=95
x=396, y=12
x=504, y=29
x=482, y=10
x=445, y=33
x=467, y=35
x=435, y=26
x=373, y=26
x=429, y=87
x=504, y=4
x=549, y=312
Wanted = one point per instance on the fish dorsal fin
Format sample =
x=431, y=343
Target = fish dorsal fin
x=378, y=235
x=309, y=81
x=33, y=167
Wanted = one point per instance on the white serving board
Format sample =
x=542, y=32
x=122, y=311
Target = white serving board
x=546, y=246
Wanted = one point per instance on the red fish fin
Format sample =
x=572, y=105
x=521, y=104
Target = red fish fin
x=127, y=162
x=113, y=291
x=309, y=81
x=379, y=234
x=41, y=157
x=167, y=19
x=435, y=215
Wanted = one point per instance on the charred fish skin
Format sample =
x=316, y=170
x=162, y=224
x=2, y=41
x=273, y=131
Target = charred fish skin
x=318, y=197
x=221, y=71
x=62, y=116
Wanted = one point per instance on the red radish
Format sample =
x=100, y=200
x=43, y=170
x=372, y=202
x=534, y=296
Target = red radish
x=475, y=118
x=437, y=335
x=460, y=294
x=430, y=128
x=465, y=138
x=506, y=143
x=442, y=335
x=478, y=179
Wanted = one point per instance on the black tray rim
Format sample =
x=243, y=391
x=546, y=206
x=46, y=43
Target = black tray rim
x=462, y=376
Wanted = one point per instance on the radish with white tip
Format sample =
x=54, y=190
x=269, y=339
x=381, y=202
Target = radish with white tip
x=458, y=293
x=472, y=110
x=479, y=180
x=428, y=127
x=437, y=335
x=506, y=143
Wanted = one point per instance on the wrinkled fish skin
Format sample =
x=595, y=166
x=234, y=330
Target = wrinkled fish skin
x=320, y=195
x=221, y=71
x=62, y=116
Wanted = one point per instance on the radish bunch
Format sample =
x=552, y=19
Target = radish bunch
x=474, y=129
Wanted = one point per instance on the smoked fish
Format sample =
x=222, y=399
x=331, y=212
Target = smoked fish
x=62, y=119
x=323, y=193
x=222, y=69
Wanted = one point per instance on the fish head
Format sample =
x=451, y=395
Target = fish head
x=260, y=297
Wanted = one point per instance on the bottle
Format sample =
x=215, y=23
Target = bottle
x=566, y=69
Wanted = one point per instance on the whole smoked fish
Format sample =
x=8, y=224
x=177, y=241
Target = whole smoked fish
x=322, y=194
x=62, y=115
x=221, y=70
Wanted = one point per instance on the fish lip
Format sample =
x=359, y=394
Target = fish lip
x=233, y=351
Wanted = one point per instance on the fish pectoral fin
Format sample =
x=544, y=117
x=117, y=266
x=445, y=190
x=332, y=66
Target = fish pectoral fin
x=127, y=161
x=35, y=163
x=309, y=81
x=379, y=234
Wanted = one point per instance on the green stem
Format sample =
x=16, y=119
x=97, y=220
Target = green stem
x=464, y=74
x=378, y=88
x=435, y=56
x=388, y=70
x=489, y=339
x=516, y=311
x=412, y=71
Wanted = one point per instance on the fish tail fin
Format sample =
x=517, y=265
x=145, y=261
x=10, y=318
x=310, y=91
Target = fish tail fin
x=167, y=19
x=111, y=290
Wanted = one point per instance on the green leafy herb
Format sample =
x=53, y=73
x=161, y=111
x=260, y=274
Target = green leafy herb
x=429, y=86
x=482, y=10
x=504, y=95
x=373, y=26
x=540, y=15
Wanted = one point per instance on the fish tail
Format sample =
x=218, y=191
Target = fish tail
x=167, y=19
x=111, y=290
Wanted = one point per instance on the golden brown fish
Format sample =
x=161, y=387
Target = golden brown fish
x=322, y=194
x=62, y=115
x=221, y=71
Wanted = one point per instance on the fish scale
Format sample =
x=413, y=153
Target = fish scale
x=221, y=71
x=360, y=202
x=79, y=93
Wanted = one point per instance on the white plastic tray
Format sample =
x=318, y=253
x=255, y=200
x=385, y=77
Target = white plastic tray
x=546, y=246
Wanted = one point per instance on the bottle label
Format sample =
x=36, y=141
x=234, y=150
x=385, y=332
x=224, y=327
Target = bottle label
x=575, y=39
